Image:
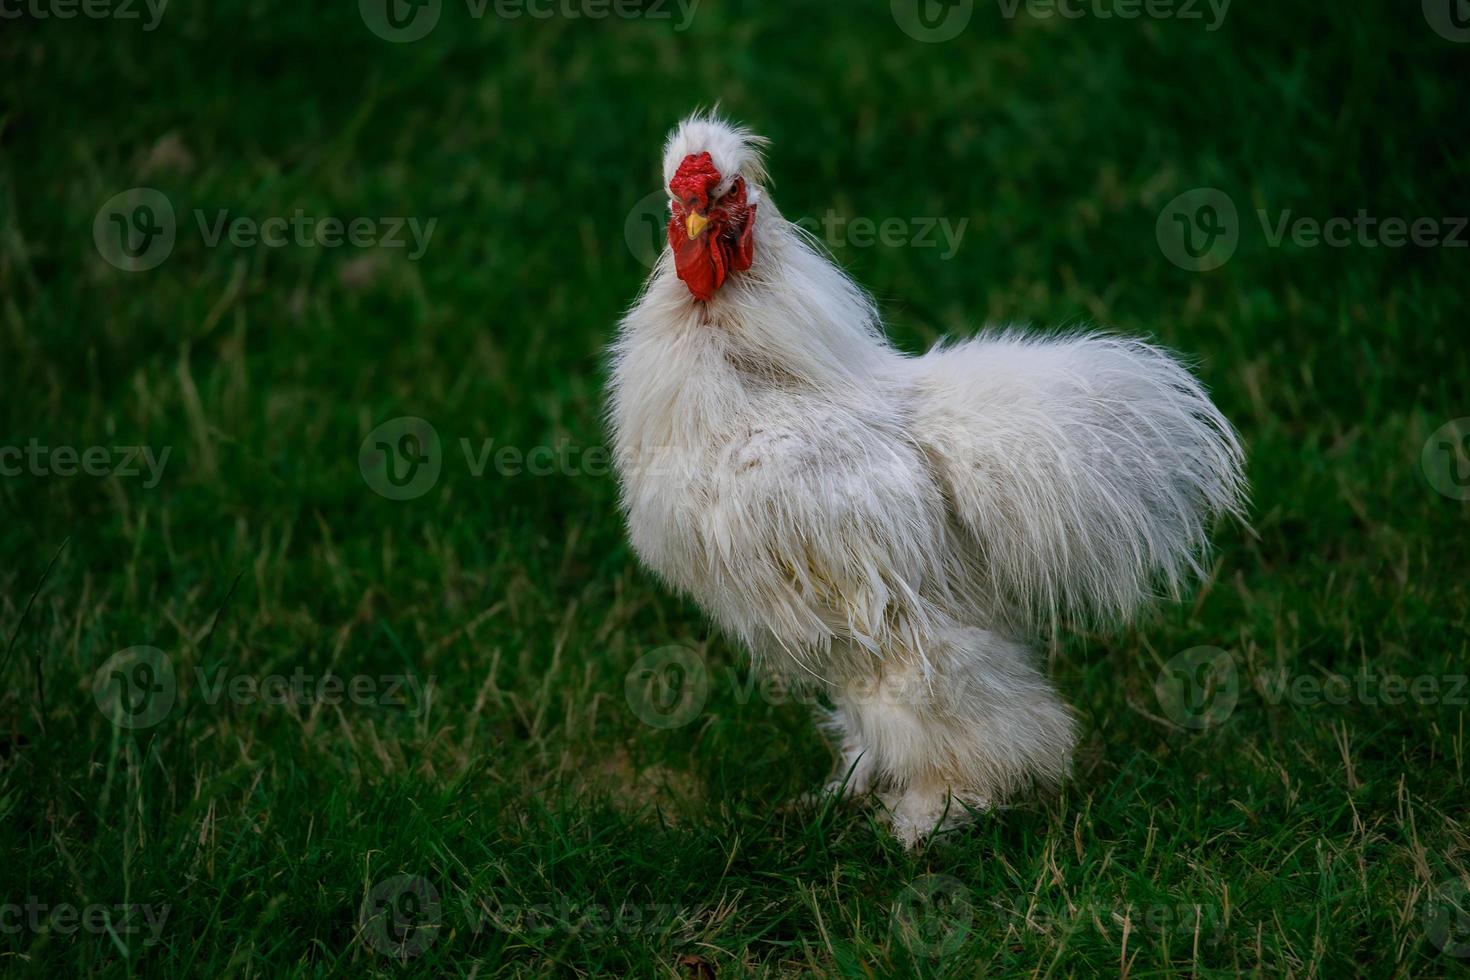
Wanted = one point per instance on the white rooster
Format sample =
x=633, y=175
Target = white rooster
x=888, y=527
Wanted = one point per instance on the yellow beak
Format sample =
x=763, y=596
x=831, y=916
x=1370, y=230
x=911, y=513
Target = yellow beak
x=696, y=223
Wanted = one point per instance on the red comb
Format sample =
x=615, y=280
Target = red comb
x=695, y=178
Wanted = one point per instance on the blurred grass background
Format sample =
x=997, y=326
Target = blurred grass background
x=1298, y=840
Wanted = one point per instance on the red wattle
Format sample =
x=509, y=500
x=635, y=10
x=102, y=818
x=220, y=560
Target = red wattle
x=696, y=262
x=726, y=245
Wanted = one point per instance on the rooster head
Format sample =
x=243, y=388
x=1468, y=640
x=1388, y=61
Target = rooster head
x=712, y=207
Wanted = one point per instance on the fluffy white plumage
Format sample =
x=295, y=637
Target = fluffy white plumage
x=892, y=528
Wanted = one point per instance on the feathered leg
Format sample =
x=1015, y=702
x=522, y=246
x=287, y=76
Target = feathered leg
x=853, y=775
x=980, y=725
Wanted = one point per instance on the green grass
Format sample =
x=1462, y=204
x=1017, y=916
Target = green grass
x=1289, y=839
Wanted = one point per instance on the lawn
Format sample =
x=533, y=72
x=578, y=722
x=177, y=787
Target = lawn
x=270, y=709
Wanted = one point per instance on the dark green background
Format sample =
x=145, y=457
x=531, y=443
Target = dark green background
x=1314, y=839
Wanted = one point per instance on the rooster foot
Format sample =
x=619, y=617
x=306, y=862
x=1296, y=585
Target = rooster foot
x=917, y=813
